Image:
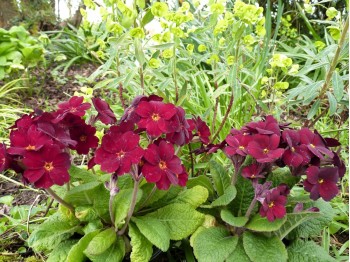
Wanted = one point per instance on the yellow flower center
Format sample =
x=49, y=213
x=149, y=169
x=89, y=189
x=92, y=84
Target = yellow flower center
x=48, y=166
x=82, y=138
x=272, y=204
x=155, y=117
x=72, y=110
x=241, y=147
x=320, y=181
x=265, y=151
x=162, y=165
x=312, y=145
x=120, y=154
x=30, y=147
x=292, y=149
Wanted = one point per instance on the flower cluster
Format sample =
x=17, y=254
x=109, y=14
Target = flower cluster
x=273, y=145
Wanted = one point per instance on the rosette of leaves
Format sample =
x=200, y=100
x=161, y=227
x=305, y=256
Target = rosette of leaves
x=18, y=50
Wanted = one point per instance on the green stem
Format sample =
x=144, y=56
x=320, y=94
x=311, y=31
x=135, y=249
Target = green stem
x=251, y=207
x=132, y=207
x=60, y=200
x=174, y=76
x=148, y=197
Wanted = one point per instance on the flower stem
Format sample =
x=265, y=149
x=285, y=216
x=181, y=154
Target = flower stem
x=60, y=200
x=251, y=207
x=148, y=197
x=132, y=207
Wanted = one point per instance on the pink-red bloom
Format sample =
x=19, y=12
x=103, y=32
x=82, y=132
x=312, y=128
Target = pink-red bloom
x=321, y=182
x=118, y=152
x=265, y=148
x=155, y=117
x=47, y=167
x=274, y=205
x=74, y=106
x=201, y=129
x=314, y=143
x=4, y=160
x=253, y=171
x=161, y=165
x=182, y=135
x=268, y=126
x=85, y=137
x=105, y=113
x=237, y=144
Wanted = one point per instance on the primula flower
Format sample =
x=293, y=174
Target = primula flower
x=253, y=171
x=181, y=136
x=74, y=106
x=274, y=205
x=340, y=164
x=265, y=148
x=24, y=122
x=268, y=126
x=118, y=152
x=27, y=140
x=4, y=160
x=314, y=143
x=85, y=137
x=47, y=167
x=321, y=182
x=237, y=144
x=162, y=166
x=155, y=117
x=201, y=129
x=105, y=113
x=296, y=154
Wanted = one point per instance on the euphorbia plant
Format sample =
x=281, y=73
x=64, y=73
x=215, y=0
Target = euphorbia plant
x=134, y=193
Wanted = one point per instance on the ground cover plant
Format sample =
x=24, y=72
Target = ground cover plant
x=206, y=132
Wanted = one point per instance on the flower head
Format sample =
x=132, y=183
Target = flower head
x=265, y=148
x=314, y=143
x=237, y=144
x=74, y=106
x=321, y=182
x=105, y=113
x=47, y=167
x=201, y=129
x=268, y=126
x=253, y=171
x=274, y=205
x=85, y=137
x=181, y=135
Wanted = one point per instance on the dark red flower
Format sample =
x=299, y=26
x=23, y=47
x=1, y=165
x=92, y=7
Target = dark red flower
x=47, y=167
x=321, y=182
x=155, y=117
x=253, y=171
x=85, y=137
x=340, y=164
x=74, y=106
x=24, y=122
x=201, y=129
x=118, y=152
x=105, y=113
x=274, y=205
x=27, y=140
x=4, y=160
x=237, y=144
x=268, y=126
x=181, y=136
x=314, y=143
x=265, y=148
x=161, y=165
x=296, y=154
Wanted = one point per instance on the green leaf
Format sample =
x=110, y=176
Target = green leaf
x=239, y=255
x=230, y=219
x=294, y=220
x=77, y=174
x=101, y=242
x=229, y=194
x=214, y=244
x=245, y=194
x=141, y=247
x=76, y=254
x=161, y=198
x=83, y=194
x=332, y=103
x=314, y=109
x=60, y=253
x=220, y=177
x=203, y=181
x=194, y=196
x=115, y=253
x=148, y=17
x=181, y=220
x=261, y=224
x=313, y=227
x=154, y=230
x=121, y=204
x=338, y=86
x=53, y=231
x=283, y=175
x=261, y=249
x=307, y=251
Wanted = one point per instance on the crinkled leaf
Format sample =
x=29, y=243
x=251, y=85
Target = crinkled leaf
x=76, y=254
x=226, y=198
x=84, y=194
x=230, y=219
x=214, y=244
x=53, y=231
x=239, y=255
x=261, y=249
x=141, y=247
x=154, y=230
x=245, y=194
x=203, y=181
x=115, y=253
x=181, y=220
x=101, y=242
x=283, y=175
x=307, y=251
x=220, y=177
x=261, y=224
x=194, y=196
x=60, y=253
x=77, y=174
x=160, y=198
